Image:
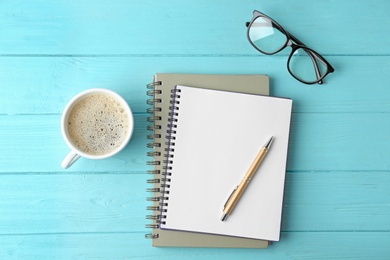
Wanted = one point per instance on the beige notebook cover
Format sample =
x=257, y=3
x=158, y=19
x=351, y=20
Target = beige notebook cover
x=161, y=92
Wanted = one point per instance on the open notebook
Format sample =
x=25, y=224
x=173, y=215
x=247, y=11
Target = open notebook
x=160, y=91
x=214, y=137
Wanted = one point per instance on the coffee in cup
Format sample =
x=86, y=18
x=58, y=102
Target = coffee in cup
x=96, y=124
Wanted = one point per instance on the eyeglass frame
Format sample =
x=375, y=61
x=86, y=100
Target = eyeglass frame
x=290, y=39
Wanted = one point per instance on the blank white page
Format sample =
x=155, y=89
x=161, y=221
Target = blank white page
x=218, y=135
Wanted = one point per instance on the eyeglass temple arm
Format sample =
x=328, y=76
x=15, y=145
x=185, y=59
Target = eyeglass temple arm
x=316, y=67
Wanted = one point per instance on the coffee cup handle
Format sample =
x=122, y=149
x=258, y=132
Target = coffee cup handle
x=70, y=159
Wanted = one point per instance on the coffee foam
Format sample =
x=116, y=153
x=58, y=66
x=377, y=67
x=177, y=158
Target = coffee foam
x=98, y=124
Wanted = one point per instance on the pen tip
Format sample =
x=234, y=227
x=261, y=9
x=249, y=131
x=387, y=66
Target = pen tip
x=268, y=144
x=224, y=217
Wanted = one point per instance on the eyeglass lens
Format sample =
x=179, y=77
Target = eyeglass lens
x=267, y=37
x=302, y=65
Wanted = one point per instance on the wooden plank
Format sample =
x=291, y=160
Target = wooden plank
x=306, y=245
x=360, y=84
x=197, y=27
x=318, y=142
x=33, y=143
x=337, y=201
x=48, y=203
x=339, y=141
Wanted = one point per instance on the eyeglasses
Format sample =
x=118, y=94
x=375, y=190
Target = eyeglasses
x=268, y=37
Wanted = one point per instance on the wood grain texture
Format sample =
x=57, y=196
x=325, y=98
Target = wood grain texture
x=48, y=203
x=55, y=80
x=192, y=28
x=37, y=142
x=317, y=143
x=337, y=201
x=295, y=245
x=39, y=203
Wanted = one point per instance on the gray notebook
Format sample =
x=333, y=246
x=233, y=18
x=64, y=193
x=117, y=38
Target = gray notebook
x=160, y=91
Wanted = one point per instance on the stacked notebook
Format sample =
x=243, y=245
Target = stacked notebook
x=206, y=131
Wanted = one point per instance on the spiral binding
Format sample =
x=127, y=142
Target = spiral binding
x=168, y=162
x=154, y=153
x=162, y=167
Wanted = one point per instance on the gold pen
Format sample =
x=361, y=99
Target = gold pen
x=239, y=190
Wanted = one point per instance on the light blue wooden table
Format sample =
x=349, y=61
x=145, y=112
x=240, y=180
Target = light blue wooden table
x=337, y=196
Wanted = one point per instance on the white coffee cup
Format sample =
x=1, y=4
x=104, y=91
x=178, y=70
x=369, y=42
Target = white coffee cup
x=96, y=124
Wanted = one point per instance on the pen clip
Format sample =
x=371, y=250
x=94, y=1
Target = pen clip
x=229, y=197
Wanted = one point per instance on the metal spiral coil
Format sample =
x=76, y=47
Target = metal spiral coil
x=154, y=119
x=151, y=236
x=169, y=155
x=155, y=124
x=162, y=157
